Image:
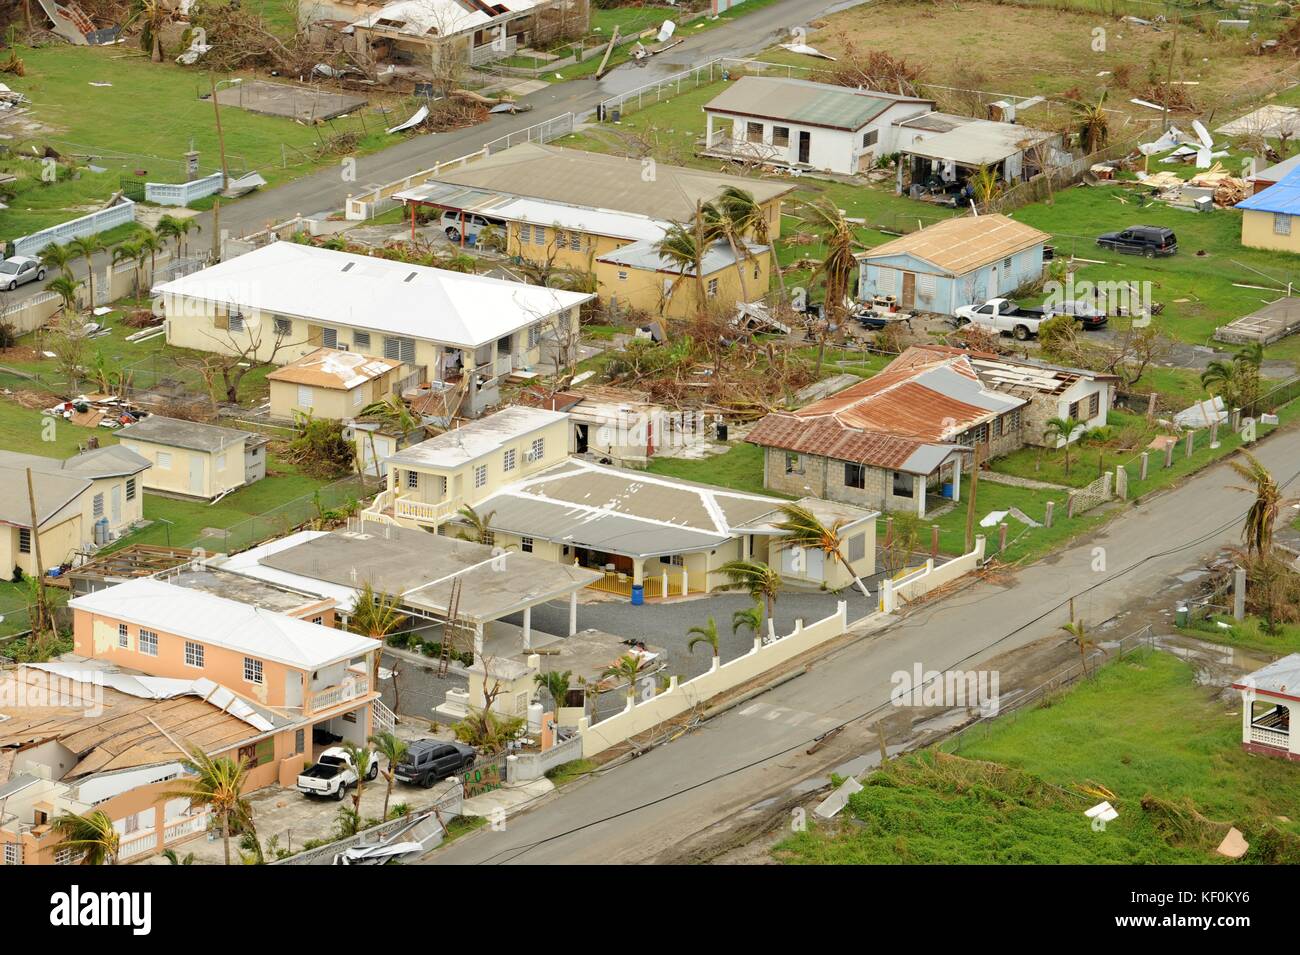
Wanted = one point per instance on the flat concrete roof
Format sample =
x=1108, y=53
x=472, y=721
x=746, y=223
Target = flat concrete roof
x=233, y=586
x=419, y=567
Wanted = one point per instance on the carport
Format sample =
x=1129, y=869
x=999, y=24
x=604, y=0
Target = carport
x=460, y=199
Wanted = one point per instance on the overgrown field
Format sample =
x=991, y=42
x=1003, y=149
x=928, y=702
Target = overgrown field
x=1165, y=750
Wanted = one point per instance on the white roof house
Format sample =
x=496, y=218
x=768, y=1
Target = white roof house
x=360, y=291
x=459, y=446
x=437, y=18
x=618, y=225
x=225, y=623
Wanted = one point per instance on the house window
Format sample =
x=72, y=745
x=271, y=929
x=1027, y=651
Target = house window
x=123, y=635
x=673, y=560
x=534, y=336
x=360, y=341
x=300, y=741
x=754, y=132
x=63, y=856
x=539, y=235
x=399, y=349
x=1076, y=410
x=622, y=276
x=164, y=459
x=1006, y=263
x=97, y=505
x=978, y=435
x=480, y=475
x=508, y=460
x=283, y=326
x=1094, y=404
x=130, y=489
x=13, y=853
x=131, y=824
x=857, y=548
x=358, y=397
x=793, y=463
x=524, y=229
x=319, y=621
x=780, y=135
x=575, y=241
x=712, y=288
x=193, y=654
x=149, y=643
x=902, y=484
x=329, y=337
x=305, y=396
x=412, y=479
x=855, y=475
x=1013, y=421
x=526, y=545
x=997, y=427
x=252, y=670
x=539, y=449
x=236, y=323
x=24, y=540
x=869, y=137
x=1281, y=223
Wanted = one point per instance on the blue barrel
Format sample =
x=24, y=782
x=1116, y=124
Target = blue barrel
x=638, y=595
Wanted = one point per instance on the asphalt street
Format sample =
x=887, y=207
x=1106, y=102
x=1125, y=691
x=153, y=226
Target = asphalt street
x=758, y=752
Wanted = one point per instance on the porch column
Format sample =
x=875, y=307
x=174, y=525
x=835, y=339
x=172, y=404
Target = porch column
x=686, y=580
x=638, y=572
x=573, y=613
x=1247, y=711
x=708, y=130
x=956, y=479
x=528, y=628
x=918, y=488
x=478, y=640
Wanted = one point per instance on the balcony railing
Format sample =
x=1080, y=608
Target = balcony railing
x=423, y=511
x=187, y=826
x=1280, y=739
x=137, y=844
x=354, y=687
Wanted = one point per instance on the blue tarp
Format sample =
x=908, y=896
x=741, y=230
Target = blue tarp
x=1282, y=197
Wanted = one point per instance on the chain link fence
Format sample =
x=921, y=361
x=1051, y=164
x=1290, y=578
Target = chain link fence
x=331, y=501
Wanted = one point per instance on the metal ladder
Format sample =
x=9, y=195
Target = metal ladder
x=453, y=611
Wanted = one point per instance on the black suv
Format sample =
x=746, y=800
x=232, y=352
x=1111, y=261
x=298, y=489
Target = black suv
x=429, y=760
x=1148, y=240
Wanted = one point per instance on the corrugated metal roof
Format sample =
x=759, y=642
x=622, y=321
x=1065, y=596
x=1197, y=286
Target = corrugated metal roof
x=646, y=255
x=962, y=244
x=803, y=101
x=1281, y=677
x=975, y=142
x=178, y=433
x=331, y=368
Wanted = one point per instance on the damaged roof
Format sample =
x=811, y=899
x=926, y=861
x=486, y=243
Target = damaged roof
x=331, y=368
x=961, y=245
x=970, y=141
x=804, y=102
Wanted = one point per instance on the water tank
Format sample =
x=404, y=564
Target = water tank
x=101, y=531
x=535, y=711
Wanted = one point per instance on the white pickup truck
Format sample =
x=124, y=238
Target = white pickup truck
x=1001, y=315
x=333, y=774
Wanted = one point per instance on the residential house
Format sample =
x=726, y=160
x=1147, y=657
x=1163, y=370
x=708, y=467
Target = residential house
x=797, y=123
x=82, y=502
x=654, y=536
x=286, y=300
x=955, y=262
x=1272, y=175
x=626, y=426
x=941, y=151
x=1270, y=219
x=639, y=277
x=192, y=459
x=1268, y=696
x=429, y=481
x=417, y=33
x=329, y=383
x=595, y=181
x=901, y=439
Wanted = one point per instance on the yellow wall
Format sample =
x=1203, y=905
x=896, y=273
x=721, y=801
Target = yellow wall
x=1257, y=232
x=337, y=403
x=221, y=470
x=644, y=290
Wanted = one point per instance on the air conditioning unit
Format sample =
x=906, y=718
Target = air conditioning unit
x=530, y=456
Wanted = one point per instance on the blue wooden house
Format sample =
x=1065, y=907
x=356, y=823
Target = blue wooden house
x=956, y=262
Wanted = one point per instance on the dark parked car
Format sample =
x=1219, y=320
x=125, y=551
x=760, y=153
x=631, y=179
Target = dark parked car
x=429, y=760
x=1148, y=240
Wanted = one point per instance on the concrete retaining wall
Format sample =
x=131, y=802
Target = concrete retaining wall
x=895, y=593
x=522, y=767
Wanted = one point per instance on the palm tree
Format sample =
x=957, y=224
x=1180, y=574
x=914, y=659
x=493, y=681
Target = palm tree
x=627, y=667
x=1062, y=429
x=173, y=859
x=151, y=244
x=839, y=264
x=804, y=530
x=218, y=785
x=363, y=757
x=719, y=219
x=55, y=256
x=393, y=410
x=1091, y=124
x=393, y=748
x=705, y=634
x=129, y=251
x=555, y=683
x=178, y=230
x=92, y=834
x=1236, y=380
x=985, y=186
x=757, y=579
x=1257, y=532
x=680, y=247
x=375, y=615
x=1078, y=631
x=86, y=247
x=479, y=526
x=750, y=217
x=65, y=288
x=751, y=619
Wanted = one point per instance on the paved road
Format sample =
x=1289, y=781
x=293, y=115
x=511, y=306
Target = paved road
x=756, y=752
x=327, y=190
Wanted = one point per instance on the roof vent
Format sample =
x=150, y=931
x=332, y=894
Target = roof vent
x=348, y=266
x=410, y=277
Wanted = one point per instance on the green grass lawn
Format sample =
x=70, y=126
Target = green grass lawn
x=146, y=120
x=1248, y=634
x=739, y=468
x=1165, y=736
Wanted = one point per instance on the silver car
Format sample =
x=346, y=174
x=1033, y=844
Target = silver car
x=19, y=270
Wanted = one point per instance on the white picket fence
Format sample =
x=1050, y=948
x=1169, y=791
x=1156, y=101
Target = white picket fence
x=65, y=232
x=183, y=193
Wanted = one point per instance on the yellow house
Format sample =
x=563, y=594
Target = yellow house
x=636, y=276
x=82, y=502
x=1270, y=219
x=430, y=481
x=190, y=459
x=329, y=383
x=286, y=300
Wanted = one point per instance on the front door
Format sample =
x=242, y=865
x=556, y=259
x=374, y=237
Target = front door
x=909, y=290
x=196, y=475
x=805, y=145
x=580, y=439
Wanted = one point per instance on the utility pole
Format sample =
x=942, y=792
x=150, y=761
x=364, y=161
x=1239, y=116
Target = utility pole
x=216, y=230
x=38, y=625
x=1169, y=77
x=221, y=139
